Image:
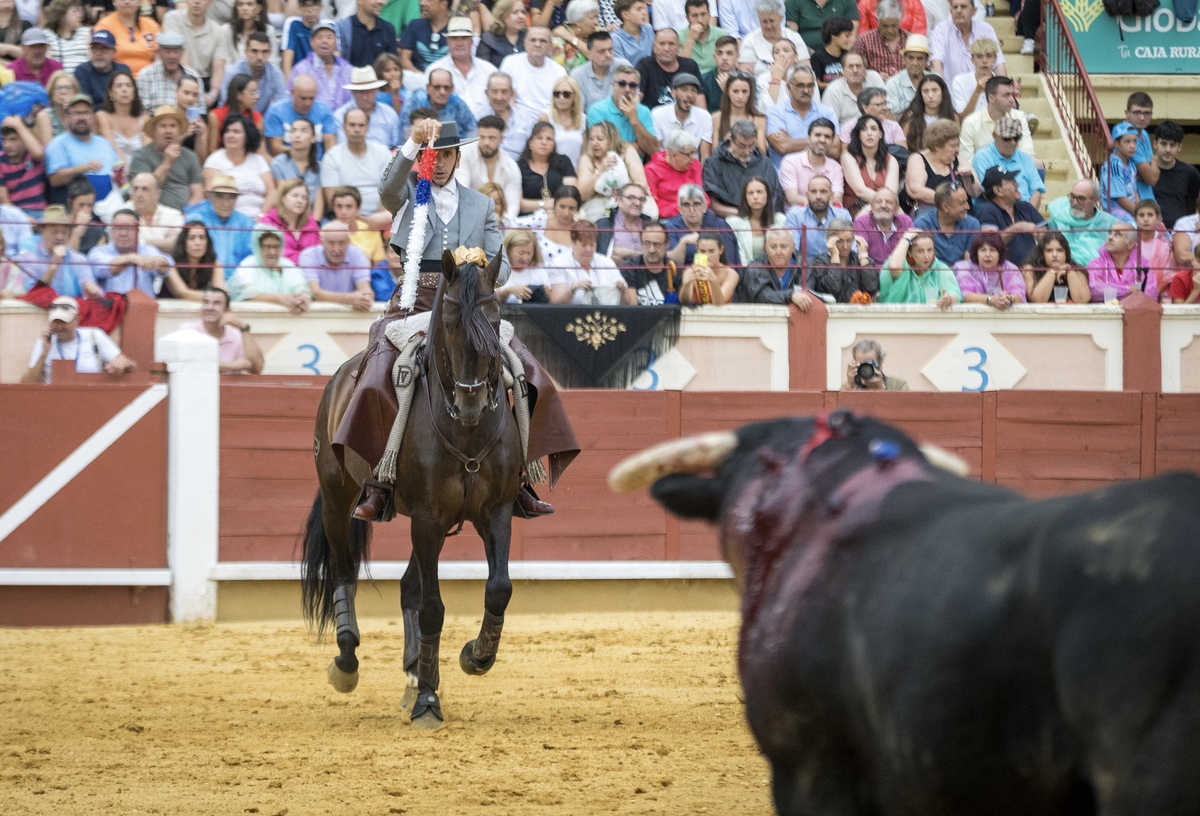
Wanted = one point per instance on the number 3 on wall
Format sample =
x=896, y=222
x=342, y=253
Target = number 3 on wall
x=981, y=359
x=311, y=365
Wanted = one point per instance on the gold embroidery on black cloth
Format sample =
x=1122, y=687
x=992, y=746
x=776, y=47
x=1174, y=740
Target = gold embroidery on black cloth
x=596, y=330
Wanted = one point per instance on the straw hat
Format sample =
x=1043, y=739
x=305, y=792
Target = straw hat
x=165, y=112
x=364, y=79
x=221, y=184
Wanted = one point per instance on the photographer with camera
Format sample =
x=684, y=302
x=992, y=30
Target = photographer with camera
x=866, y=372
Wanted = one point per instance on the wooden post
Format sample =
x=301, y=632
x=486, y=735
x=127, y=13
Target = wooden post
x=1142, y=352
x=806, y=347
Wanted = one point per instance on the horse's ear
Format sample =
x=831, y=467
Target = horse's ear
x=493, y=268
x=449, y=268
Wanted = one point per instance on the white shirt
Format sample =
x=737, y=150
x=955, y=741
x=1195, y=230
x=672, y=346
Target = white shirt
x=699, y=122
x=757, y=50
x=671, y=14
x=470, y=87
x=534, y=86
x=843, y=100
x=445, y=199
x=472, y=173
x=960, y=93
x=566, y=270
x=252, y=190
x=164, y=225
x=946, y=45
x=530, y=276
x=341, y=167
x=90, y=356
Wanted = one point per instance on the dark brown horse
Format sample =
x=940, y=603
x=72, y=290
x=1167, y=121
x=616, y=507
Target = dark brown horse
x=460, y=460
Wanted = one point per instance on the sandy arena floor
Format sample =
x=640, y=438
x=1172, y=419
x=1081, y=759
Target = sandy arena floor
x=633, y=713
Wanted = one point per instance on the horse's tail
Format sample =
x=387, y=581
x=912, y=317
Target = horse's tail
x=318, y=576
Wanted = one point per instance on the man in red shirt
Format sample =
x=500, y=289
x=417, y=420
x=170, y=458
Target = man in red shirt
x=34, y=65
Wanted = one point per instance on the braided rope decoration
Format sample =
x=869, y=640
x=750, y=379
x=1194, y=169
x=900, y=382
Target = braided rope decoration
x=416, y=237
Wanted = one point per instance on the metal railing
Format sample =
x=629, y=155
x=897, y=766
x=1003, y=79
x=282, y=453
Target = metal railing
x=1071, y=92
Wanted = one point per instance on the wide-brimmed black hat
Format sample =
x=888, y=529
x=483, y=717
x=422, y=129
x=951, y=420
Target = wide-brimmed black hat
x=448, y=137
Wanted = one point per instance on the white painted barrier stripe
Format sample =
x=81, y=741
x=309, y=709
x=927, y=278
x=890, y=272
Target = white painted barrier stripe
x=80, y=458
x=518, y=570
x=85, y=577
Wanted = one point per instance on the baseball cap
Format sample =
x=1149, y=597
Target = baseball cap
x=1009, y=128
x=324, y=25
x=104, y=38
x=994, y=176
x=684, y=79
x=80, y=97
x=1123, y=129
x=34, y=36
x=64, y=309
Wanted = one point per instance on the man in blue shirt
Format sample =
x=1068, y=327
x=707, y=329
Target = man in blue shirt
x=125, y=263
x=439, y=96
x=789, y=118
x=633, y=120
x=424, y=41
x=52, y=261
x=952, y=228
x=277, y=123
x=228, y=229
x=1139, y=110
x=364, y=36
x=79, y=152
x=1004, y=153
x=808, y=224
x=272, y=87
x=93, y=75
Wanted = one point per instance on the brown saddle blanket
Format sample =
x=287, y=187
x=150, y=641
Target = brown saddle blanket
x=371, y=410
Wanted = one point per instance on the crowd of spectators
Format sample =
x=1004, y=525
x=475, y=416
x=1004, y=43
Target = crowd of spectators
x=850, y=152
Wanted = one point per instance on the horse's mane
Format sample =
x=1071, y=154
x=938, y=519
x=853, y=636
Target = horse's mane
x=475, y=323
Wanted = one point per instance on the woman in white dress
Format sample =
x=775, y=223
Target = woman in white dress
x=566, y=114
x=584, y=277
x=528, y=273
x=238, y=157
x=121, y=118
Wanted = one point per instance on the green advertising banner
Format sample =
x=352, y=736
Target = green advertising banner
x=1156, y=44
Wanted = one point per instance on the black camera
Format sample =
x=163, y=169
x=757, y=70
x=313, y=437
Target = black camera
x=866, y=371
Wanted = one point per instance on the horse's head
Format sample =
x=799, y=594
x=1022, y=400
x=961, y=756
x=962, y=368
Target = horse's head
x=470, y=338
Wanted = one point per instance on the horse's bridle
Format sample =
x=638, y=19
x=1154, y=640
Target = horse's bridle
x=471, y=464
x=493, y=381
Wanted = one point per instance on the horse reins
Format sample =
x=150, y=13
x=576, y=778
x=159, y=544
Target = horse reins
x=470, y=463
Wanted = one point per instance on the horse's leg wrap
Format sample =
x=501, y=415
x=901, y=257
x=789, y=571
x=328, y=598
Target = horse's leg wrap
x=489, y=637
x=427, y=662
x=343, y=612
x=412, y=634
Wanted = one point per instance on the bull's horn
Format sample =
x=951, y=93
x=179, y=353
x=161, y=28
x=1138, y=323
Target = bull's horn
x=939, y=457
x=691, y=455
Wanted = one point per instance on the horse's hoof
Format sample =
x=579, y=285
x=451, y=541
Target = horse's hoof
x=466, y=659
x=427, y=712
x=410, y=693
x=345, y=682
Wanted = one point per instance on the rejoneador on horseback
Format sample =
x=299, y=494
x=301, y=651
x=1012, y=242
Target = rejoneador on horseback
x=419, y=424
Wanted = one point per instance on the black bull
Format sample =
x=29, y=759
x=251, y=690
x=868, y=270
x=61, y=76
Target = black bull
x=918, y=643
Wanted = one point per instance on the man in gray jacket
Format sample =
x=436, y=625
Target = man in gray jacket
x=457, y=216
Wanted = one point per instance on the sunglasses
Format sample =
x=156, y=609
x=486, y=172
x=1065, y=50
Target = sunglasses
x=620, y=83
x=563, y=94
x=1009, y=138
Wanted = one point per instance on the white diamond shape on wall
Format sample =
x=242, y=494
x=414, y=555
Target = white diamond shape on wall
x=974, y=361
x=670, y=372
